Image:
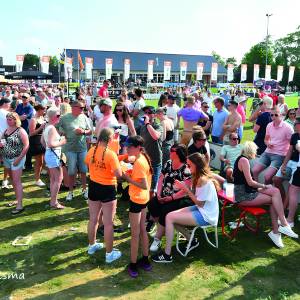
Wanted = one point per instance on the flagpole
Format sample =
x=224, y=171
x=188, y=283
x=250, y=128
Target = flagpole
x=78, y=64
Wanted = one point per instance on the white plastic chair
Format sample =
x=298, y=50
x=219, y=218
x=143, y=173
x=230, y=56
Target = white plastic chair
x=188, y=248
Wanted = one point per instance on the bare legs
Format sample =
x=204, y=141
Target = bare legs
x=56, y=176
x=17, y=185
x=38, y=165
x=138, y=231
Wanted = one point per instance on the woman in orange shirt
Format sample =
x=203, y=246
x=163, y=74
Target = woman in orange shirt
x=139, y=189
x=104, y=168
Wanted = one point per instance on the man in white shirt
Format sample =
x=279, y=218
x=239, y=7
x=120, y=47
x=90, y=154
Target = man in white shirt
x=172, y=110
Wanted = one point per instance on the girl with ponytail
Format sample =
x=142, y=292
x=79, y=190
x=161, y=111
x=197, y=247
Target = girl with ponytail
x=104, y=168
x=139, y=192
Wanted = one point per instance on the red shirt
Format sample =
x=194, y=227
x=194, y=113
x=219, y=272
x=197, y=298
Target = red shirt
x=261, y=95
x=103, y=92
x=275, y=99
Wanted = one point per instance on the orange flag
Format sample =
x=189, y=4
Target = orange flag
x=81, y=66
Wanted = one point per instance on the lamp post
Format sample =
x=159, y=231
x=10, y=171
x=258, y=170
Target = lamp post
x=267, y=39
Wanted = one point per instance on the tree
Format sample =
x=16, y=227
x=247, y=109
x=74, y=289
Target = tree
x=31, y=61
x=53, y=62
x=231, y=60
x=218, y=58
x=257, y=55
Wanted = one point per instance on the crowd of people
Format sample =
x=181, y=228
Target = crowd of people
x=170, y=183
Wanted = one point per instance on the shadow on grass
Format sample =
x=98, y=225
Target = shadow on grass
x=266, y=282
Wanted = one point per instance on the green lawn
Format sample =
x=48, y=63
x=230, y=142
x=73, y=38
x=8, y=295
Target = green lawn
x=56, y=266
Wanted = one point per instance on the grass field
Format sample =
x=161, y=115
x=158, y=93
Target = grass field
x=55, y=264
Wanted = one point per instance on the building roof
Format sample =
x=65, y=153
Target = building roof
x=139, y=60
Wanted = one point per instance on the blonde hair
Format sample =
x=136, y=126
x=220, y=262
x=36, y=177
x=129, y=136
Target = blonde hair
x=52, y=111
x=190, y=99
x=249, y=149
x=16, y=117
x=268, y=101
x=65, y=108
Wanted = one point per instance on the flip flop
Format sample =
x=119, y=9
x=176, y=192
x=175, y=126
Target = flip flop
x=11, y=204
x=17, y=211
x=57, y=206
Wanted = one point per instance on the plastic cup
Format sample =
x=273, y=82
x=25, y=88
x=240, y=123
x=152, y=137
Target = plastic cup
x=229, y=190
x=3, y=142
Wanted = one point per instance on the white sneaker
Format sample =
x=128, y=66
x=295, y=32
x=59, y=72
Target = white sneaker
x=85, y=194
x=112, y=256
x=276, y=238
x=40, y=183
x=155, y=245
x=4, y=184
x=69, y=196
x=287, y=230
x=292, y=224
x=93, y=248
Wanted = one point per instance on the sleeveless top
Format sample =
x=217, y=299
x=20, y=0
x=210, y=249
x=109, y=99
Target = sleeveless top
x=169, y=135
x=57, y=139
x=14, y=144
x=239, y=177
x=36, y=139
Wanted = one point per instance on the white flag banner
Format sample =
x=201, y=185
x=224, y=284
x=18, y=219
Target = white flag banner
x=255, y=72
x=150, y=69
x=279, y=73
x=19, y=63
x=167, y=70
x=183, y=69
x=200, y=67
x=68, y=68
x=243, y=72
x=230, y=72
x=45, y=60
x=268, y=72
x=291, y=73
x=214, y=72
x=108, y=67
x=126, y=68
x=89, y=67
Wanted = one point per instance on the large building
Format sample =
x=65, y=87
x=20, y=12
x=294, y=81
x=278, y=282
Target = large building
x=139, y=65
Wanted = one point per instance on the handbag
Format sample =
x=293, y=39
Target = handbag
x=62, y=158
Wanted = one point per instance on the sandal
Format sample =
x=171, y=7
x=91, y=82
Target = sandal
x=56, y=206
x=17, y=211
x=11, y=204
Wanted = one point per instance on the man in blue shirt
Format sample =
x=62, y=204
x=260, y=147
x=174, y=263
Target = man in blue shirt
x=219, y=118
x=25, y=111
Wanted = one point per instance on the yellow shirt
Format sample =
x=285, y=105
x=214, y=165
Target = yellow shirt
x=141, y=169
x=102, y=171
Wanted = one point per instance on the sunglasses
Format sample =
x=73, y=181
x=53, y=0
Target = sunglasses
x=274, y=115
x=10, y=119
x=205, y=106
x=57, y=116
x=80, y=107
x=119, y=109
x=234, y=139
x=292, y=113
x=149, y=112
x=23, y=97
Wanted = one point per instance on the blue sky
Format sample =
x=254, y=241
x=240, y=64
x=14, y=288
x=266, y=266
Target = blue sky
x=172, y=26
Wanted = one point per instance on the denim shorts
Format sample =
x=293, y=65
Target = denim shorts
x=8, y=163
x=51, y=160
x=75, y=161
x=291, y=167
x=155, y=176
x=271, y=160
x=197, y=216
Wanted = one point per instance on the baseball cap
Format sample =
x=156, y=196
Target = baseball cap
x=25, y=95
x=106, y=101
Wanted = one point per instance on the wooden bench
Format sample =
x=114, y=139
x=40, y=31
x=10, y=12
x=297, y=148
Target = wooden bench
x=245, y=211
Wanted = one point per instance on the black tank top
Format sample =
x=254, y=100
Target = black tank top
x=169, y=135
x=239, y=177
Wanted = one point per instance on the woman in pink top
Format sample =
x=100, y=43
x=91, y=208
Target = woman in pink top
x=241, y=110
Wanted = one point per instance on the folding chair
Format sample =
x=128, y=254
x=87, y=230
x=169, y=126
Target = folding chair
x=189, y=248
